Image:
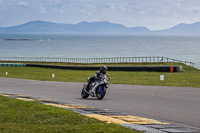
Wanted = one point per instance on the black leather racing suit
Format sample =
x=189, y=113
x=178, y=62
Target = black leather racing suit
x=96, y=76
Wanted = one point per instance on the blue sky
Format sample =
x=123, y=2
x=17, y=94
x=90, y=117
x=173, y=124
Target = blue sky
x=153, y=14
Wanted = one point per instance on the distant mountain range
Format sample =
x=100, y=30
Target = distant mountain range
x=103, y=27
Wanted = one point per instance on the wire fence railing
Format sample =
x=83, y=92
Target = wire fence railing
x=154, y=59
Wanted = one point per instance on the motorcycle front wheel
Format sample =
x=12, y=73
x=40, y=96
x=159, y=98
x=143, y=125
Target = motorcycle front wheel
x=84, y=94
x=100, y=92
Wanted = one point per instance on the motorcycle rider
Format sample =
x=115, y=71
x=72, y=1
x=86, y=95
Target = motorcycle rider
x=102, y=71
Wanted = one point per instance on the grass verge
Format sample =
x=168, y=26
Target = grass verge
x=190, y=77
x=21, y=117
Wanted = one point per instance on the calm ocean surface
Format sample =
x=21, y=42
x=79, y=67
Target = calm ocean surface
x=185, y=48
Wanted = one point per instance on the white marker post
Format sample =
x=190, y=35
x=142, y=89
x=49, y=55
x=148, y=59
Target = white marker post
x=6, y=73
x=53, y=75
x=161, y=77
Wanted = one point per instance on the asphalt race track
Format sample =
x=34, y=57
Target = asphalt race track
x=171, y=104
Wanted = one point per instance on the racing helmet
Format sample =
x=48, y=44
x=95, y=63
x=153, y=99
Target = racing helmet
x=103, y=69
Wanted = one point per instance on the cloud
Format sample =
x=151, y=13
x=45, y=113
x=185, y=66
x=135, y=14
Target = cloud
x=53, y=2
x=196, y=10
x=122, y=8
x=22, y=4
x=86, y=12
x=59, y=10
x=42, y=9
x=3, y=3
x=112, y=7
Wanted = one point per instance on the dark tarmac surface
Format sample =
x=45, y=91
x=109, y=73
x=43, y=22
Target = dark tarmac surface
x=172, y=104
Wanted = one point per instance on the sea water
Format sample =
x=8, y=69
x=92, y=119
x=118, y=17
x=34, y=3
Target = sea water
x=185, y=48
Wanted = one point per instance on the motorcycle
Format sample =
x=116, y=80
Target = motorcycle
x=97, y=88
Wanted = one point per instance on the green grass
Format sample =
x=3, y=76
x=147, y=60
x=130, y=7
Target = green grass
x=190, y=77
x=25, y=117
x=20, y=116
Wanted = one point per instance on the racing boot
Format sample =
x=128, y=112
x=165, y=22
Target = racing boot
x=87, y=87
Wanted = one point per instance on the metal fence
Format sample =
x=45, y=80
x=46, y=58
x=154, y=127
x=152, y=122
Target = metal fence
x=98, y=60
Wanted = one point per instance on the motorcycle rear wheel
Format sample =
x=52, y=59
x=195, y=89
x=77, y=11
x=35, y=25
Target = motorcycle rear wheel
x=84, y=94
